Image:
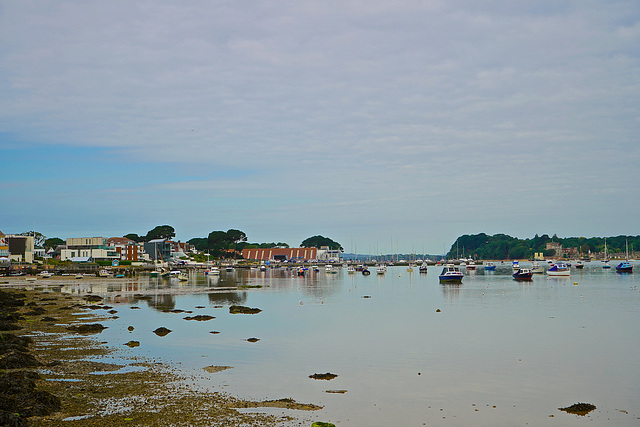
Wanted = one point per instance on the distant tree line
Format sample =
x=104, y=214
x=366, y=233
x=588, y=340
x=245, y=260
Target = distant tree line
x=502, y=246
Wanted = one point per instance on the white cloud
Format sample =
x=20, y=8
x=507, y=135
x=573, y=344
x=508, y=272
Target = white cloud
x=375, y=96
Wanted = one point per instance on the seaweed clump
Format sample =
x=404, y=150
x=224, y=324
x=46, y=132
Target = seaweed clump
x=19, y=398
x=328, y=376
x=239, y=309
x=200, y=317
x=579, y=408
x=162, y=331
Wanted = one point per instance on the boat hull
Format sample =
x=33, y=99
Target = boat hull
x=450, y=279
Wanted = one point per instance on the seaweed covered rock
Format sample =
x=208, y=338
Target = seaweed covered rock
x=200, y=317
x=162, y=331
x=239, y=309
x=328, y=376
x=17, y=360
x=9, y=342
x=579, y=408
x=19, y=398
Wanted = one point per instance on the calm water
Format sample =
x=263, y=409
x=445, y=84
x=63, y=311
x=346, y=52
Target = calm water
x=499, y=353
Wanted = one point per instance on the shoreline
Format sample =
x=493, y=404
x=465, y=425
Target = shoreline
x=102, y=386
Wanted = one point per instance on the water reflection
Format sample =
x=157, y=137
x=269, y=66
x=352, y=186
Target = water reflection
x=227, y=298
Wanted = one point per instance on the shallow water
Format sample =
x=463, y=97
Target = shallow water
x=498, y=353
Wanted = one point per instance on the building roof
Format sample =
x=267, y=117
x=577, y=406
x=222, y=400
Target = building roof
x=157, y=241
x=120, y=241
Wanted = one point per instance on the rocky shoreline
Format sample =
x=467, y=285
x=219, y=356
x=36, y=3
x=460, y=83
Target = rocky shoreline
x=54, y=370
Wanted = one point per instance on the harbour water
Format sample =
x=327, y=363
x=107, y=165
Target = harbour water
x=407, y=350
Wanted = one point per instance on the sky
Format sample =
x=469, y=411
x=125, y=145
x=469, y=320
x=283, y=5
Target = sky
x=387, y=126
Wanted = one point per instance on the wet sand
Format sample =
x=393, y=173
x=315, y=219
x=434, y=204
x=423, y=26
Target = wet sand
x=74, y=367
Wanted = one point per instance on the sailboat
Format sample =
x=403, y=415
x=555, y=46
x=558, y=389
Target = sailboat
x=625, y=266
x=606, y=259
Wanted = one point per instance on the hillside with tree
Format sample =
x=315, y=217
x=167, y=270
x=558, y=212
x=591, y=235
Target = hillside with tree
x=502, y=246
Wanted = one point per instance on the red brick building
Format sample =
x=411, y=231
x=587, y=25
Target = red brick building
x=280, y=254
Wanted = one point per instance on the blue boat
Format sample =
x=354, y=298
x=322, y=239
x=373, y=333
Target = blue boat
x=450, y=274
x=489, y=266
x=624, y=267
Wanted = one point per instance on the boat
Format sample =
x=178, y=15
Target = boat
x=489, y=266
x=559, y=269
x=606, y=258
x=213, y=271
x=624, y=267
x=45, y=274
x=423, y=268
x=536, y=268
x=79, y=276
x=381, y=269
x=263, y=267
x=182, y=277
x=515, y=264
x=523, y=274
x=471, y=265
x=351, y=269
x=103, y=273
x=228, y=268
x=365, y=271
x=578, y=264
x=450, y=274
x=330, y=269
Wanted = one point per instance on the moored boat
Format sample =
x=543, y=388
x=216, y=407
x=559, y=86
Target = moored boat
x=515, y=264
x=381, y=269
x=523, y=274
x=536, y=268
x=489, y=266
x=450, y=274
x=624, y=267
x=559, y=269
x=423, y=267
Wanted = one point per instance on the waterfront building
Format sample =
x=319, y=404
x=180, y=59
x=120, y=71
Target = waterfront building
x=19, y=248
x=128, y=249
x=328, y=255
x=280, y=254
x=4, y=246
x=95, y=248
x=158, y=249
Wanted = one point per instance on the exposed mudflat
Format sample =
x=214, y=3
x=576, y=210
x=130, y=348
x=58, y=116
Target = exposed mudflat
x=51, y=354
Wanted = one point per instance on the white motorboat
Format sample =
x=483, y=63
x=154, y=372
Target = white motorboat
x=559, y=269
x=536, y=268
x=381, y=269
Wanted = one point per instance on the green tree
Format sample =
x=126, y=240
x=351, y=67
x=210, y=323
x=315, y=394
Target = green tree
x=53, y=242
x=160, y=232
x=134, y=237
x=319, y=241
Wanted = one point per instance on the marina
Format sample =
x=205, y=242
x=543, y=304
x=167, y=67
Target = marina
x=405, y=349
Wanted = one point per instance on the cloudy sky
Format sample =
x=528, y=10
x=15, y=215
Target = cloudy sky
x=380, y=124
